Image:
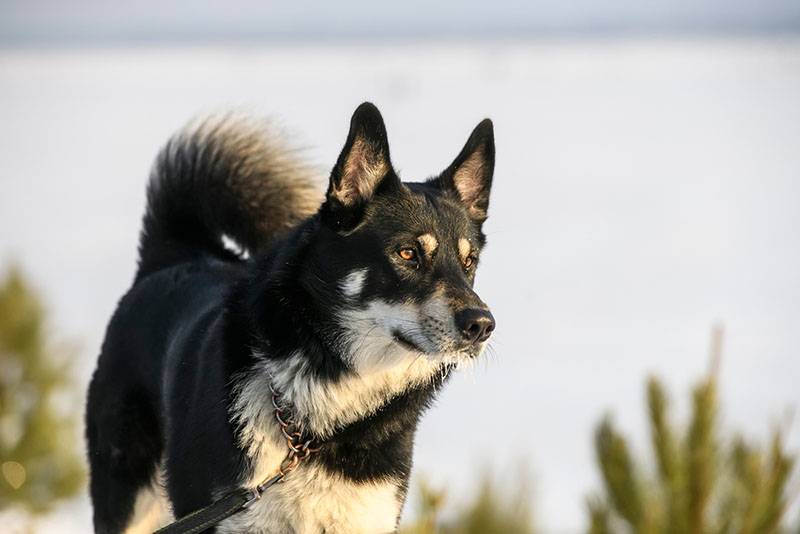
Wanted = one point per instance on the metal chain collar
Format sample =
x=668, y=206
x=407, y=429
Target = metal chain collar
x=235, y=501
x=299, y=447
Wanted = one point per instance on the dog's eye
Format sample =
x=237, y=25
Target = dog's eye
x=469, y=262
x=408, y=254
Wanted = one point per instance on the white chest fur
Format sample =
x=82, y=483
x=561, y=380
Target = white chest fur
x=312, y=501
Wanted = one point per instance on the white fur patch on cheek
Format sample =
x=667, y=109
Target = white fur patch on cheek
x=352, y=284
x=369, y=342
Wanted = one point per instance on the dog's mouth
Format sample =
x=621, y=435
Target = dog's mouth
x=467, y=351
x=406, y=343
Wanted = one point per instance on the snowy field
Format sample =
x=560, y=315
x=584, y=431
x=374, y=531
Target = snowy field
x=644, y=190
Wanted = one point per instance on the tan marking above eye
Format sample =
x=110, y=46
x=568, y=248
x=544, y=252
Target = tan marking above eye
x=429, y=244
x=464, y=248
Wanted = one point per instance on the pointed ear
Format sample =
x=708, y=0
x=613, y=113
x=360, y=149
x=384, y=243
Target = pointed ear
x=470, y=175
x=364, y=160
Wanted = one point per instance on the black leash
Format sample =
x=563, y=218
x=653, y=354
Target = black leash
x=235, y=501
x=223, y=508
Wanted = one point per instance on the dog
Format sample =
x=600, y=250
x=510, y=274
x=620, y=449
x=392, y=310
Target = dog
x=353, y=306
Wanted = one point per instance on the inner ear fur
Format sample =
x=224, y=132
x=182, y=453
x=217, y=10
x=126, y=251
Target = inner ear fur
x=364, y=161
x=470, y=174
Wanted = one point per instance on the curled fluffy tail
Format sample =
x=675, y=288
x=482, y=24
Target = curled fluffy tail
x=223, y=177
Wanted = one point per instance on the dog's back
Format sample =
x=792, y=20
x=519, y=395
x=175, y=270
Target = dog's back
x=171, y=316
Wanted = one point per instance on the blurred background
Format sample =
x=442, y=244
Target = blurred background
x=647, y=188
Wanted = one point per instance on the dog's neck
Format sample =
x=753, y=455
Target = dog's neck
x=323, y=405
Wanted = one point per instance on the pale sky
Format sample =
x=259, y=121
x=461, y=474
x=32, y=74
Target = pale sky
x=100, y=21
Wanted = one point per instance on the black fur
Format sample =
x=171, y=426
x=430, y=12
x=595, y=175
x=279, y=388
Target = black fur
x=199, y=316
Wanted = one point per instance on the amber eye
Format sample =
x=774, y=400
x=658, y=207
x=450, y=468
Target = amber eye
x=469, y=262
x=408, y=254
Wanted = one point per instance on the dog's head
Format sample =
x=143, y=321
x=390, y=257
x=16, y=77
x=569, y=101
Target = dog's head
x=398, y=260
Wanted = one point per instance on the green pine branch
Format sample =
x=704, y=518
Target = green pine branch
x=698, y=486
x=39, y=460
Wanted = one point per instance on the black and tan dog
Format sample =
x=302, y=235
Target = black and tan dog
x=354, y=307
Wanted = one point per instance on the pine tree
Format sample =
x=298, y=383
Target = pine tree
x=702, y=484
x=493, y=510
x=39, y=461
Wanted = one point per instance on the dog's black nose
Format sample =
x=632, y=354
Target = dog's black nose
x=476, y=325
